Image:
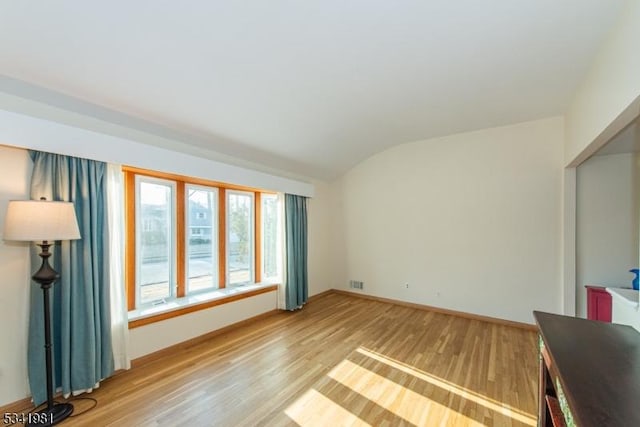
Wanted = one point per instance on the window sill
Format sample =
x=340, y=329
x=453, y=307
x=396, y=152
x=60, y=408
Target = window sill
x=189, y=304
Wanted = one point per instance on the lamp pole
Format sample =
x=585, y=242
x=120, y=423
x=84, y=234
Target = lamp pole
x=45, y=276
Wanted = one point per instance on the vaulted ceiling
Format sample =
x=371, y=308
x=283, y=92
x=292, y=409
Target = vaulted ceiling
x=307, y=87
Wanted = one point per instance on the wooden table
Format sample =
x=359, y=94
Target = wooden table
x=589, y=369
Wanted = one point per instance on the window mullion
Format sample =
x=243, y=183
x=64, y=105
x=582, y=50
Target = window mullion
x=222, y=237
x=180, y=240
x=257, y=231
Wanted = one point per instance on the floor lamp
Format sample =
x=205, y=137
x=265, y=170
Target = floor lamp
x=44, y=222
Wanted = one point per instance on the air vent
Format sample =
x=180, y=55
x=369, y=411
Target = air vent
x=355, y=284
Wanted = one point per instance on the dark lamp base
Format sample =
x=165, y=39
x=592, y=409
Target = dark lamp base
x=49, y=417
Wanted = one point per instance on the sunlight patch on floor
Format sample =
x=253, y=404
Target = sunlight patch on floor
x=488, y=403
x=317, y=409
x=314, y=409
x=405, y=403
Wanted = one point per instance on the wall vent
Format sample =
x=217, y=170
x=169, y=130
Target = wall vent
x=355, y=284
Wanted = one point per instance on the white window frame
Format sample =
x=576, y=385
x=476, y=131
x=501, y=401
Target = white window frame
x=252, y=239
x=214, y=238
x=278, y=254
x=173, y=284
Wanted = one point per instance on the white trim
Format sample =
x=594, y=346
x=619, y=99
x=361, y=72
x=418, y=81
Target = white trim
x=568, y=296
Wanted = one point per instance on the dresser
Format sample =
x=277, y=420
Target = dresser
x=589, y=373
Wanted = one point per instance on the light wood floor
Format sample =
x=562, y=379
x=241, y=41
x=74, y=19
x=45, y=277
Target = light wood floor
x=341, y=361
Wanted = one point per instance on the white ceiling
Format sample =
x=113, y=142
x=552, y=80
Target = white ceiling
x=310, y=87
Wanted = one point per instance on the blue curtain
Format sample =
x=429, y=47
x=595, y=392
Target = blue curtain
x=295, y=217
x=81, y=326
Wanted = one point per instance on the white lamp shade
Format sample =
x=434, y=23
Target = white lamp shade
x=39, y=220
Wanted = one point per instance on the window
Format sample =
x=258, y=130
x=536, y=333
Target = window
x=155, y=267
x=270, y=237
x=240, y=238
x=202, y=245
x=190, y=237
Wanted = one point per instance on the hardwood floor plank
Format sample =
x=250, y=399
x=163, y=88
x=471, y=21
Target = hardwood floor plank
x=342, y=360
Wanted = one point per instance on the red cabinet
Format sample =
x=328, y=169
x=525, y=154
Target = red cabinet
x=598, y=303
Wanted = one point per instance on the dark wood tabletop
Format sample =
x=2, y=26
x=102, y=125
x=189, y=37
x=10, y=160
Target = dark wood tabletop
x=599, y=368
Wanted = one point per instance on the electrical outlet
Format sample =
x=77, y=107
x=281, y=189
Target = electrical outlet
x=406, y=285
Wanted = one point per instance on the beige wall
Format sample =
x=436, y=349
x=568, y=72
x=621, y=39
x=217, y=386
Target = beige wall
x=15, y=282
x=471, y=222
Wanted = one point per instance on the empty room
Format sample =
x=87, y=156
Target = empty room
x=320, y=213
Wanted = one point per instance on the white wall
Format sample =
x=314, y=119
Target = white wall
x=320, y=213
x=611, y=84
x=607, y=223
x=472, y=222
x=156, y=336
x=15, y=273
